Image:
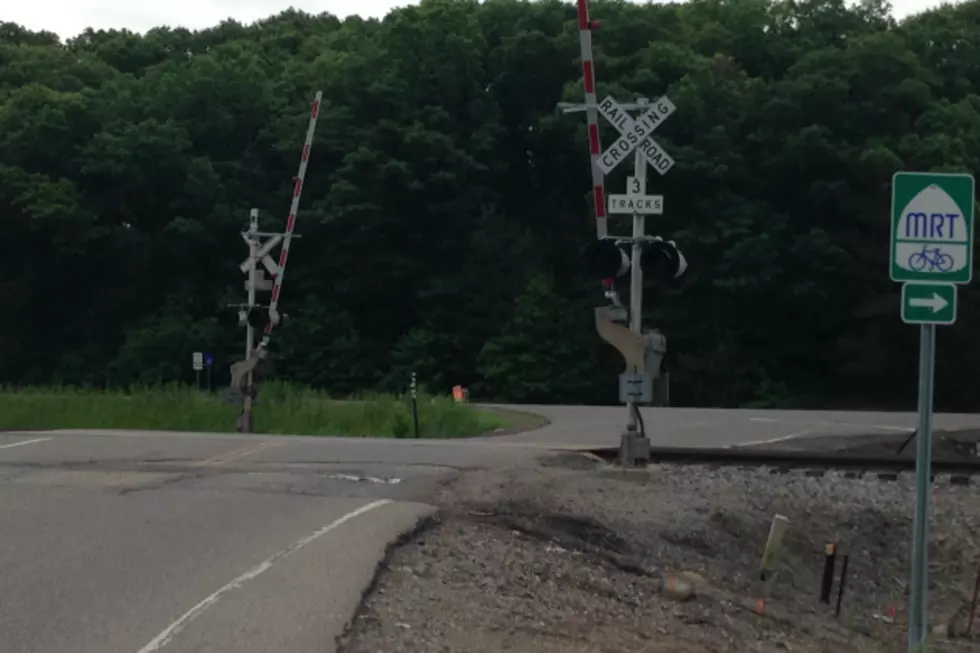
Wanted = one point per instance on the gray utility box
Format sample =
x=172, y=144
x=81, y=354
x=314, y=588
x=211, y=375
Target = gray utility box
x=644, y=389
x=656, y=349
x=651, y=386
x=635, y=388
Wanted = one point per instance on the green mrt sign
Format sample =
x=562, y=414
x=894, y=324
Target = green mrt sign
x=929, y=303
x=932, y=227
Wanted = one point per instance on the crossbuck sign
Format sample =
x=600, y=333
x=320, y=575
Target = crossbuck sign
x=636, y=134
x=262, y=255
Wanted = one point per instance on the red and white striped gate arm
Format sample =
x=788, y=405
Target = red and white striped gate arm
x=592, y=115
x=293, y=208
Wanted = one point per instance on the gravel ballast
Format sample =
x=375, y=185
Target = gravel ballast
x=543, y=558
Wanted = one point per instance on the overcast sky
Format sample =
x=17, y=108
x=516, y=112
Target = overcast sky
x=68, y=18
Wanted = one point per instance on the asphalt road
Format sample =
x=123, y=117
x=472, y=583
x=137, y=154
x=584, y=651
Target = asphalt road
x=601, y=426
x=173, y=543
x=129, y=542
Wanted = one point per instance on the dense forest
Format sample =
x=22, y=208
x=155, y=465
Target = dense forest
x=447, y=205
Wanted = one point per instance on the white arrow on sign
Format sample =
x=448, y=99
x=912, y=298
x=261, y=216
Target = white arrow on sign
x=636, y=133
x=936, y=303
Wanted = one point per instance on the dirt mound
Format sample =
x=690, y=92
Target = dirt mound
x=553, y=559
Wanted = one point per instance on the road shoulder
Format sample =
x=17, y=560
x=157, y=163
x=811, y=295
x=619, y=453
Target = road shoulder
x=299, y=599
x=553, y=559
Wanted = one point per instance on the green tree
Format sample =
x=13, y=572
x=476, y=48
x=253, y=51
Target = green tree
x=537, y=357
x=443, y=180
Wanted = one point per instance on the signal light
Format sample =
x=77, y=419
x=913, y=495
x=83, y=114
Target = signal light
x=258, y=317
x=660, y=259
x=605, y=260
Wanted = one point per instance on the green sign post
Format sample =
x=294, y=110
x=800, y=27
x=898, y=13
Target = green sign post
x=931, y=249
x=928, y=303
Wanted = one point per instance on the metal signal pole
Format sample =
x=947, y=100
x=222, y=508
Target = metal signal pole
x=253, y=248
x=636, y=277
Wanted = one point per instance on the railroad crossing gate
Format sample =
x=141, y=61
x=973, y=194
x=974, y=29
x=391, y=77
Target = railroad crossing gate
x=932, y=227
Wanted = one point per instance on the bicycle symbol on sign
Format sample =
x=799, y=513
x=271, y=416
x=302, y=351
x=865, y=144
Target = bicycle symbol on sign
x=934, y=258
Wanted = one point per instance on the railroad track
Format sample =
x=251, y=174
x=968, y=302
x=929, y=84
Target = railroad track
x=888, y=466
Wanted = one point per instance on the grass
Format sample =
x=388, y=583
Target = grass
x=282, y=408
x=517, y=420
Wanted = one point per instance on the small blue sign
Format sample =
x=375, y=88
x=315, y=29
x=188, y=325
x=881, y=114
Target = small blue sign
x=208, y=360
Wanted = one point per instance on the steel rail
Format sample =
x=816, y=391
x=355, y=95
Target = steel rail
x=755, y=457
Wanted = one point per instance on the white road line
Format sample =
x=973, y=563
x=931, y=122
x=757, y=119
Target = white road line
x=880, y=427
x=173, y=629
x=356, y=479
x=781, y=438
x=23, y=442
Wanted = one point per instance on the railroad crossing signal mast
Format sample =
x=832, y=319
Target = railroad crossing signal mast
x=245, y=373
x=255, y=317
x=643, y=351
